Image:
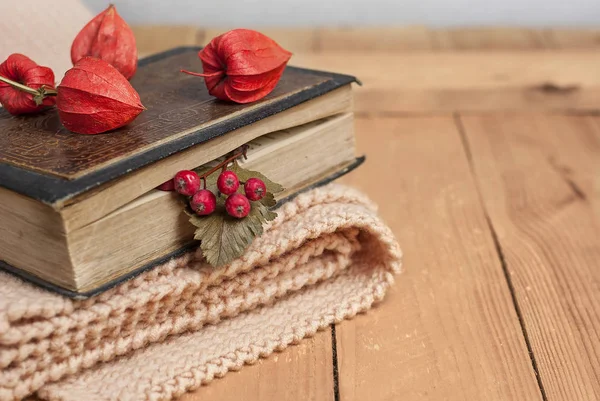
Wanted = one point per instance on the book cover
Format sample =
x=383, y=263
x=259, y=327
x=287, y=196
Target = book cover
x=42, y=160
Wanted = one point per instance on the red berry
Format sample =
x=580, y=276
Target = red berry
x=237, y=205
x=228, y=182
x=203, y=202
x=167, y=186
x=187, y=182
x=255, y=189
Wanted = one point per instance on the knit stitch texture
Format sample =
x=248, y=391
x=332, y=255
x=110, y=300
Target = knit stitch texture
x=325, y=258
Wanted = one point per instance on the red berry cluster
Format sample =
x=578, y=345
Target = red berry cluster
x=204, y=202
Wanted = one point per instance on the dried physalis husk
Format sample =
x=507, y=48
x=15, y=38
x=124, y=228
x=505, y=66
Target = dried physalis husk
x=94, y=97
x=25, y=87
x=109, y=38
x=242, y=65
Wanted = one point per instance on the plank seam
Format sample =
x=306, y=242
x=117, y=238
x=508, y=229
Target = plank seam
x=500, y=254
x=336, y=374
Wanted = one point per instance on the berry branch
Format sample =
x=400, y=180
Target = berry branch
x=223, y=165
x=228, y=211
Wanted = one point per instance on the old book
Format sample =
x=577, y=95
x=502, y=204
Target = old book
x=80, y=213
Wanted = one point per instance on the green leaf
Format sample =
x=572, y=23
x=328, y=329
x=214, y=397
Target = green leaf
x=268, y=200
x=225, y=238
x=244, y=175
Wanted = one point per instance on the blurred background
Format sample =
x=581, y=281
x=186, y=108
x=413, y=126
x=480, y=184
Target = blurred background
x=413, y=56
x=358, y=12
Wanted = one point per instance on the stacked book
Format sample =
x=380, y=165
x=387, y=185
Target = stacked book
x=79, y=213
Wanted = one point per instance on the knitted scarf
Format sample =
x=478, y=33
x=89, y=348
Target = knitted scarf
x=325, y=258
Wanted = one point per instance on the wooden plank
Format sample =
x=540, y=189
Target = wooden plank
x=573, y=38
x=448, y=329
x=549, y=236
x=292, y=39
x=489, y=38
x=592, y=180
x=152, y=39
x=577, y=156
x=475, y=81
x=363, y=39
x=301, y=372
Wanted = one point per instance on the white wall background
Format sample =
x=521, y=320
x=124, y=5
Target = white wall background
x=576, y=13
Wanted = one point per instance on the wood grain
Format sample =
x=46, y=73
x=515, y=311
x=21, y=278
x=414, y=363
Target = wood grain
x=529, y=169
x=448, y=329
x=590, y=166
x=380, y=39
x=425, y=82
x=302, y=372
x=573, y=38
x=152, y=39
x=489, y=38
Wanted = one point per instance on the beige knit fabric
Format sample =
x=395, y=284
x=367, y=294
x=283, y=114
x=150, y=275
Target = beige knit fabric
x=325, y=258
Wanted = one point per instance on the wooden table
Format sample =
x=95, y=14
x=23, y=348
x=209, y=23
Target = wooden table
x=484, y=155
